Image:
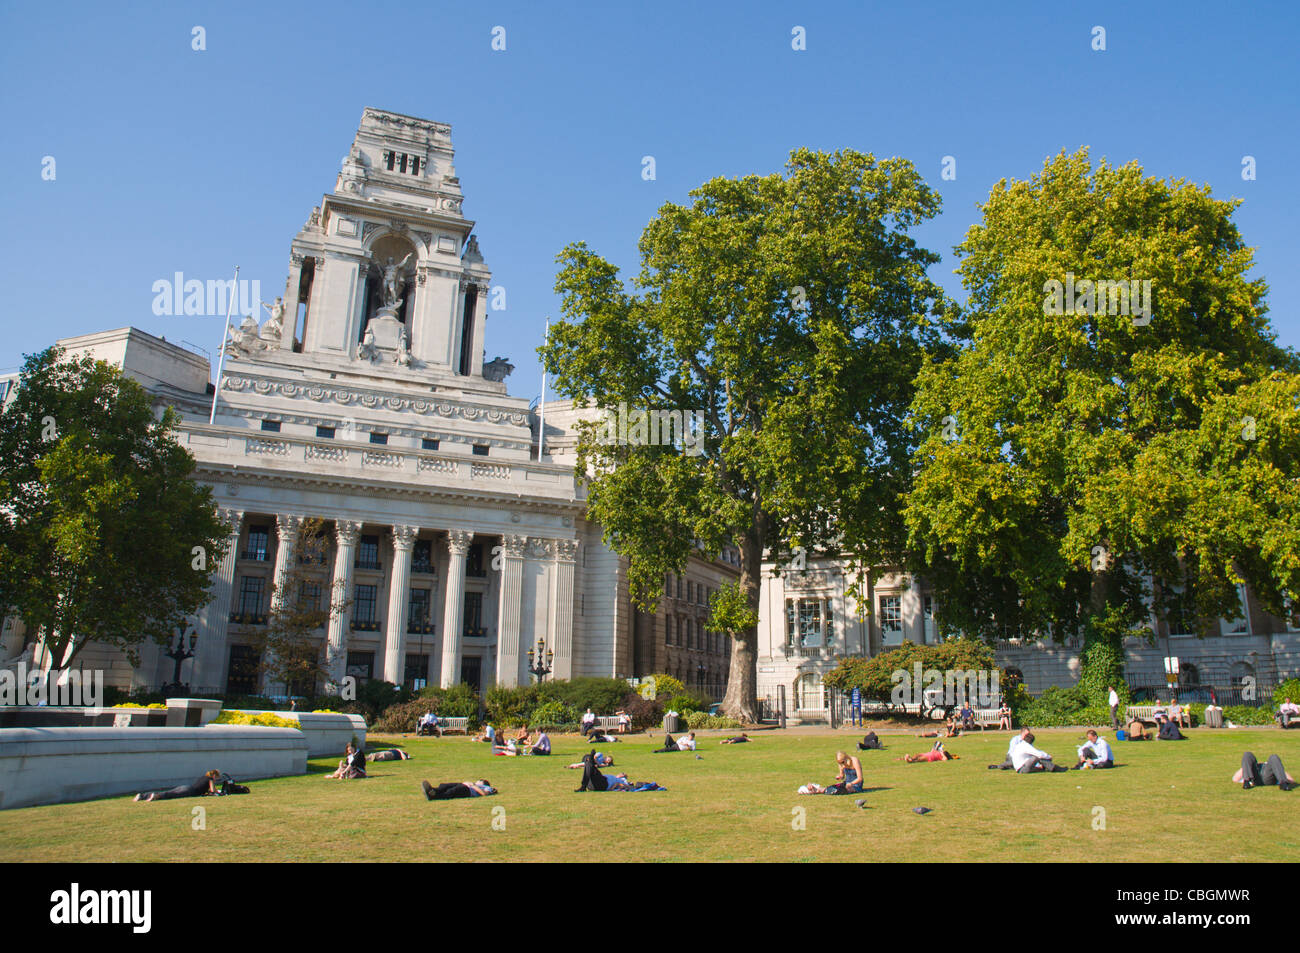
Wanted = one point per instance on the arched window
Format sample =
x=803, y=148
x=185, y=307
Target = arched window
x=1188, y=674
x=809, y=692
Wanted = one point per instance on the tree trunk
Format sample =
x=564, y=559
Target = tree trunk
x=741, y=700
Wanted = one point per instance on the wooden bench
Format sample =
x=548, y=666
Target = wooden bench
x=453, y=724
x=1143, y=713
x=987, y=717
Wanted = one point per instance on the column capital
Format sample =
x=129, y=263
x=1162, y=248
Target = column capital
x=566, y=550
x=541, y=547
x=288, y=525
x=347, y=532
x=404, y=537
x=233, y=518
x=514, y=546
x=458, y=541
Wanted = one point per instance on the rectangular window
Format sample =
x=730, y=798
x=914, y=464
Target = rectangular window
x=1241, y=625
x=251, y=590
x=401, y=166
x=363, y=605
x=428, y=443
x=480, y=450
x=309, y=594
x=690, y=591
x=271, y=426
x=422, y=556
x=1182, y=614
x=417, y=668
x=474, y=561
x=679, y=587
x=415, y=165
x=361, y=665
x=259, y=538
x=390, y=159
x=927, y=614
x=474, y=614
x=325, y=433
x=368, y=553
x=376, y=437
x=241, y=675
x=417, y=612
x=891, y=619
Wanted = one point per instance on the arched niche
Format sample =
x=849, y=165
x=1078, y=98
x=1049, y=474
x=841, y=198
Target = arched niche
x=383, y=248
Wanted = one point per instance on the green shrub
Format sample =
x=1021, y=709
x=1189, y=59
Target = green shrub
x=1288, y=689
x=1054, y=707
x=137, y=705
x=1248, y=715
x=644, y=712
x=666, y=687
x=262, y=719
x=603, y=696
x=553, y=714
x=698, y=720
x=511, y=706
x=459, y=701
x=684, y=704
x=401, y=717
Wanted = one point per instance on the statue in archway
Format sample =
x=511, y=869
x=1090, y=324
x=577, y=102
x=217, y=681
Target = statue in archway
x=392, y=283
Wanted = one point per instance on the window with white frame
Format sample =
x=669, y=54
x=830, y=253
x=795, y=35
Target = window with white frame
x=805, y=627
x=809, y=693
x=1182, y=615
x=891, y=619
x=1240, y=626
x=927, y=614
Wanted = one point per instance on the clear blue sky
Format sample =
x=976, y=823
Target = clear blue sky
x=174, y=160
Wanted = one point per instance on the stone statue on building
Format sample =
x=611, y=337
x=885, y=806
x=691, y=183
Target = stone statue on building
x=403, y=349
x=271, y=330
x=392, y=286
x=368, y=351
x=245, y=338
x=497, y=370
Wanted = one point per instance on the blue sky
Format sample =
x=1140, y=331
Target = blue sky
x=172, y=160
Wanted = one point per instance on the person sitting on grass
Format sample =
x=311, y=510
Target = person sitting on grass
x=542, y=746
x=389, y=754
x=1004, y=716
x=489, y=735
x=508, y=750
x=1095, y=753
x=1288, y=713
x=1169, y=731
x=1007, y=763
x=687, y=743
x=204, y=786
x=870, y=742
x=937, y=753
x=849, y=780
x=1251, y=775
x=1137, y=731
x=352, y=766
x=456, y=789
x=1029, y=759
x=602, y=761
x=739, y=739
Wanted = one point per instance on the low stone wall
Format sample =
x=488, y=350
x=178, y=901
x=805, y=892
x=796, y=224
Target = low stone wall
x=53, y=716
x=57, y=765
x=326, y=734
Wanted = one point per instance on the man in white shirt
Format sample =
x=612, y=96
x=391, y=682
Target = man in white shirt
x=687, y=743
x=1113, y=701
x=1096, y=753
x=1007, y=764
x=588, y=720
x=1029, y=759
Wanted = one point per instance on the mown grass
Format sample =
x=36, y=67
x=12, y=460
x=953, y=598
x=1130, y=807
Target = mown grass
x=1165, y=801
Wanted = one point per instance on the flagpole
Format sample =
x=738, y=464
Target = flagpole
x=541, y=429
x=221, y=359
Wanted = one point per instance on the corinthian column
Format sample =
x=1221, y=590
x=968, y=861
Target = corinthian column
x=288, y=528
x=453, y=616
x=346, y=532
x=214, y=618
x=398, y=584
x=509, y=659
x=562, y=630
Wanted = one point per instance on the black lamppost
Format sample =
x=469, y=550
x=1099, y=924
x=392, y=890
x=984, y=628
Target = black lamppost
x=180, y=651
x=539, y=663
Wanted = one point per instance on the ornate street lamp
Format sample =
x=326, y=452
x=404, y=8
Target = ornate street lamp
x=539, y=663
x=180, y=651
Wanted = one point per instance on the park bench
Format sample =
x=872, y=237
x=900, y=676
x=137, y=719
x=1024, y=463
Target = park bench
x=454, y=724
x=1143, y=713
x=987, y=717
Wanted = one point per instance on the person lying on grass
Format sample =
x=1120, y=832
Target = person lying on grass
x=740, y=739
x=951, y=730
x=455, y=789
x=593, y=780
x=602, y=761
x=1251, y=775
x=389, y=754
x=937, y=753
x=203, y=786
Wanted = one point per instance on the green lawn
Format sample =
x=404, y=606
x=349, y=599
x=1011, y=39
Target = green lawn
x=1165, y=801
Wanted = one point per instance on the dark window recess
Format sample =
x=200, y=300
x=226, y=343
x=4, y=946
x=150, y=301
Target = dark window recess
x=249, y=607
x=271, y=426
x=467, y=331
x=241, y=675
x=378, y=437
x=474, y=561
x=363, y=607
x=390, y=159
x=480, y=450
x=428, y=443
x=361, y=665
x=418, y=612
x=325, y=433
x=401, y=165
x=258, y=538
x=368, y=553
x=422, y=556
x=417, y=667
x=474, y=614
x=415, y=165
x=471, y=671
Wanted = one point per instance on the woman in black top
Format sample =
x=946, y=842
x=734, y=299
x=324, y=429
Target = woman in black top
x=203, y=786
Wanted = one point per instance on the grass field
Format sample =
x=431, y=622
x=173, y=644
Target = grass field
x=1164, y=801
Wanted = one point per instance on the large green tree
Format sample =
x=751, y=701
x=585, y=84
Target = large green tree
x=104, y=536
x=792, y=311
x=1083, y=462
